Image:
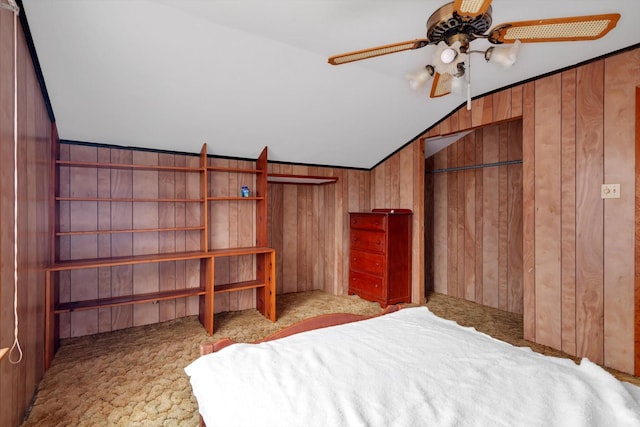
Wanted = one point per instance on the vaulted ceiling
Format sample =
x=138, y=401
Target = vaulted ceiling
x=244, y=74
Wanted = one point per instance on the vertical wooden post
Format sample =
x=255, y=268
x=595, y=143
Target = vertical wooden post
x=204, y=193
x=207, y=300
x=261, y=204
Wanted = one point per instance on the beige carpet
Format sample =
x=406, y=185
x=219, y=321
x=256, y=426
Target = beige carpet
x=135, y=377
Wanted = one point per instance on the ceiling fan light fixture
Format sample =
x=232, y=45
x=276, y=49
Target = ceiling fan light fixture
x=420, y=79
x=504, y=56
x=452, y=54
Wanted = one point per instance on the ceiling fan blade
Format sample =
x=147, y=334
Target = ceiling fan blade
x=471, y=8
x=555, y=30
x=358, y=55
x=441, y=85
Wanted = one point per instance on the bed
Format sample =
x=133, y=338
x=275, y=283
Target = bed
x=408, y=367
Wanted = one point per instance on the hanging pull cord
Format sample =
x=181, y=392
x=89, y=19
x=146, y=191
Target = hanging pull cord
x=16, y=343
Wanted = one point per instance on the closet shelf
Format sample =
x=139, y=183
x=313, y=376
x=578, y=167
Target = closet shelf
x=281, y=178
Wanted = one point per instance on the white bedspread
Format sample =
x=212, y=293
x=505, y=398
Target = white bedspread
x=408, y=368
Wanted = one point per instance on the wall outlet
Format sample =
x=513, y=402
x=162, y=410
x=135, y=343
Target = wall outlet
x=610, y=191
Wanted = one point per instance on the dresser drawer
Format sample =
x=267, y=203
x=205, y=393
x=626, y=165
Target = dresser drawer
x=366, y=285
x=368, y=222
x=368, y=240
x=367, y=262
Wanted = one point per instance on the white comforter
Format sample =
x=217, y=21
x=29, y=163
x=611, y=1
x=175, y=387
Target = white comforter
x=408, y=368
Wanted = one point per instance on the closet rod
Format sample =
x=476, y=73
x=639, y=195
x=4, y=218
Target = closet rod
x=486, y=165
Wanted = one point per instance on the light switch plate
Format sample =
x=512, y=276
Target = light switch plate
x=610, y=191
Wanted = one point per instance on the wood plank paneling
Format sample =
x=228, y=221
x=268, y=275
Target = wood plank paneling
x=104, y=240
x=166, y=240
x=491, y=218
x=568, y=329
x=589, y=212
x=145, y=215
x=619, y=123
x=479, y=218
x=452, y=222
x=503, y=220
x=514, y=220
x=121, y=243
x=34, y=140
x=548, y=210
x=528, y=212
x=440, y=206
x=470, y=212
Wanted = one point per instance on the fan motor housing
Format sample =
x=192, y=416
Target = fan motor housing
x=446, y=25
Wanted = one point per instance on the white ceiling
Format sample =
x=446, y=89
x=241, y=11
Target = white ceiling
x=244, y=74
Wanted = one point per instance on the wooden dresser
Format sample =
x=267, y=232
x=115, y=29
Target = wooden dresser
x=380, y=255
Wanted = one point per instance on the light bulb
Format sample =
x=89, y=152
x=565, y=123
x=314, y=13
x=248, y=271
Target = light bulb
x=448, y=55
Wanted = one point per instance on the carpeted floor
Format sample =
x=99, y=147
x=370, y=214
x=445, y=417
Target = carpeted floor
x=135, y=377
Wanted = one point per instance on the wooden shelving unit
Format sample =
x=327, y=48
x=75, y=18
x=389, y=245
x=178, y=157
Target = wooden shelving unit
x=264, y=282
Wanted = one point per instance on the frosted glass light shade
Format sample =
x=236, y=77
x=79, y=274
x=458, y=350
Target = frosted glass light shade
x=504, y=56
x=448, y=55
x=420, y=79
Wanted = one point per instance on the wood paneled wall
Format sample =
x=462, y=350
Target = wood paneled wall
x=399, y=183
x=578, y=265
x=121, y=184
x=308, y=227
x=475, y=251
x=18, y=381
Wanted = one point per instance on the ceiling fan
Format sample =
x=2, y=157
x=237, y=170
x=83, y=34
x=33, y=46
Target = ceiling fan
x=455, y=25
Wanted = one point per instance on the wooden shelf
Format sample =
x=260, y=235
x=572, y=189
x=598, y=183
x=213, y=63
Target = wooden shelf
x=250, y=250
x=127, y=299
x=239, y=286
x=125, y=260
x=281, y=178
x=231, y=198
x=126, y=200
x=78, y=164
x=237, y=170
x=130, y=230
x=264, y=282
